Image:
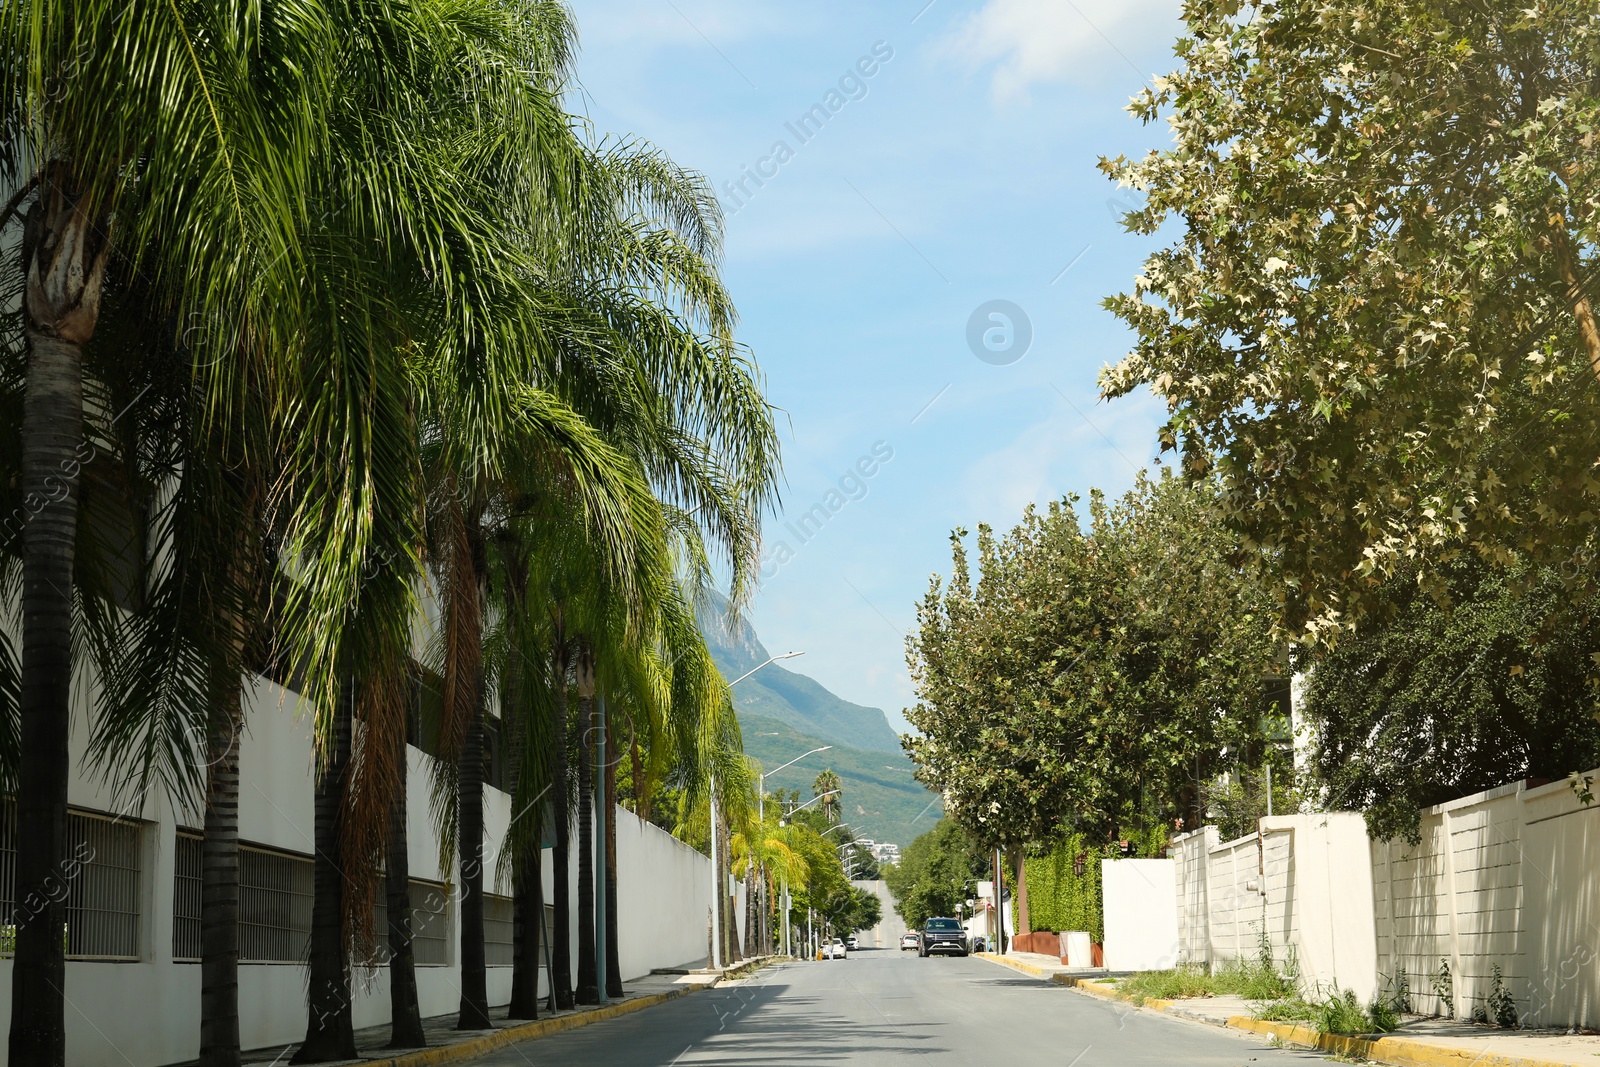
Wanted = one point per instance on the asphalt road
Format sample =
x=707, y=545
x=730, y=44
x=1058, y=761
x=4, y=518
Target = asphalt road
x=885, y=1007
x=887, y=933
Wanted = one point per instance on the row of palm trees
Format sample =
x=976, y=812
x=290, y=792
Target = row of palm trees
x=327, y=318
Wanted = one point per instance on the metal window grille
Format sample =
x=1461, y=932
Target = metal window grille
x=103, y=892
x=101, y=879
x=274, y=906
x=8, y=875
x=498, y=930
x=186, y=882
x=430, y=924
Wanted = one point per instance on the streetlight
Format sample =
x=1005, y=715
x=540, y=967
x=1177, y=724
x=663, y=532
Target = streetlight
x=716, y=879
x=761, y=813
x=763, y=663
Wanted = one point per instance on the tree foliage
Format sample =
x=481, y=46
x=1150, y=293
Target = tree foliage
x=1089, y=678
x=1375, y=324
x=936, y=872
x=1432, y=703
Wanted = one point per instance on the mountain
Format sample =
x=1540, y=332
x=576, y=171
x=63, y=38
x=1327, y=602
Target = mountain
x=776, y=693
x=881, y=798
x=783, y=714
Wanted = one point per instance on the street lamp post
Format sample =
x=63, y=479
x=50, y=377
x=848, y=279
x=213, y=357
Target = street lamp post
x=761, y=815
x=716, y=874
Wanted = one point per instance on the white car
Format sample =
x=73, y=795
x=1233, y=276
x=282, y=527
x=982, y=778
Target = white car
x=835, y=950
x=851, y=943
x=911, y=941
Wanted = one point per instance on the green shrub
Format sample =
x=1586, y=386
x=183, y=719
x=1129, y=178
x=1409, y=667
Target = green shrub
x=1292, y=1009
x=1501, y=1008
x=1253, y=979
x=1384, y=1015
x=1443, y=985
x=1342, y=1014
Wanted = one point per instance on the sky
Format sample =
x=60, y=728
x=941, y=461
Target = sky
x=918, y=241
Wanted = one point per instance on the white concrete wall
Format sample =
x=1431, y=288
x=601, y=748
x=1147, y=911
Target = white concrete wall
x=1190, y=854
x=1141, y=914
x=1236, y=905
x=663, y=898
x=147, y=1012
x=1506, y=878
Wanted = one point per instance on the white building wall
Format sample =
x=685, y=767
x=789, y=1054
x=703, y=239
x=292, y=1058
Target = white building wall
x=147, y=1012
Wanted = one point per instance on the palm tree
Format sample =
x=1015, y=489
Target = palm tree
x=827, y=782
x=125, y=153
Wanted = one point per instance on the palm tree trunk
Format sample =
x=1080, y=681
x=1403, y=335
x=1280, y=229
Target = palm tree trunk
x=561, y=859
x=66, y=253
x=730, y=924
x=588, y=987
x=614, y=988
x=750, y=924
x=405, y=1011
x=474, y=974
x=526, y=908
x=219, y=887
x=330, y=1033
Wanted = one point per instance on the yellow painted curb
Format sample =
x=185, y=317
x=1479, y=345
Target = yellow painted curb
x=472, y=1048
x=1397, y=1050
x=1016, y=965
x=1400, y=1051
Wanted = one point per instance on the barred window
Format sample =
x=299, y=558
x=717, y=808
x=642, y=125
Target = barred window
x=498, y=930
x=186, y=883
x=100, y=876
x=274, y=906
x=430, y=923
x=103, y=892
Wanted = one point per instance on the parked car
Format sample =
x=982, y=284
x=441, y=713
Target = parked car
x=909, y=940
x=851, y=943
x=943, y=935
x=835, y=949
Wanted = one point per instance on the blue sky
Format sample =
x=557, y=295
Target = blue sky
x=953, y=165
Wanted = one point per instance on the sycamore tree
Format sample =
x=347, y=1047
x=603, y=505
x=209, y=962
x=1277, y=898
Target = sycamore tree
x=1374, y=321
x=1090, y=678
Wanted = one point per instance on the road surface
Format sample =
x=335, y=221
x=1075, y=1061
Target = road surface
x=889, y=1007
x=887, y=933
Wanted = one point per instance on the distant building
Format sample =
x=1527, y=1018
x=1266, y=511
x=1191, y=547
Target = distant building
x=884, y=852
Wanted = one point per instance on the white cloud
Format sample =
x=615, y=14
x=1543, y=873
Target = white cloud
x=1034, y=41
x=1096, y=445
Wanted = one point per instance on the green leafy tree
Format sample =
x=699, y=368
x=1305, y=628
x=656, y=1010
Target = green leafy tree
x=1424, y=703
x=1375, y=323
x=1090, y=678
x=936, y=872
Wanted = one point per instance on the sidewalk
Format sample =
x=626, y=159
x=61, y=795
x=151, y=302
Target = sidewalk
x=1420, y=1042
x=1043, y=966
x=447, y=1045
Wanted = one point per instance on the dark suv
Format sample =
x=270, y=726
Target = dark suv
x=943, y=935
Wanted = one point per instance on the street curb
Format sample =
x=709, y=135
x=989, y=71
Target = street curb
x=1016, y=965
x=1396, y=1050
x=472, y=1048
x=1400, y=1051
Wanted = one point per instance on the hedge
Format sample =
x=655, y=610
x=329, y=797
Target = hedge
x=1060, y=900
